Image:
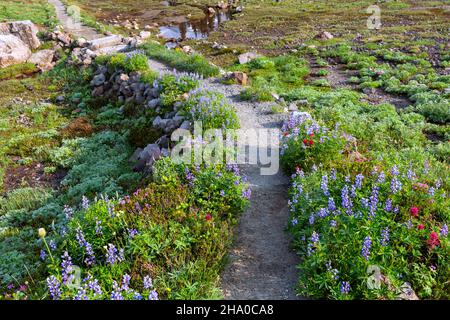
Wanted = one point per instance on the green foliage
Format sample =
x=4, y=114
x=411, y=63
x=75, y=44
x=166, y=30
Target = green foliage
x=180, y=60
x=18, y=70
x=174, y=86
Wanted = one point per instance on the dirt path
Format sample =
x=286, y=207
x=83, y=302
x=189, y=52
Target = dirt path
x=70, y=25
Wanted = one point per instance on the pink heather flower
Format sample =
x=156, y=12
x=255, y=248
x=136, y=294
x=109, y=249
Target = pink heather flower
x=420, y=227
x=414, y=211
x=433, y=241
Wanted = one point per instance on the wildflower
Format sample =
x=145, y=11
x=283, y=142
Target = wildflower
x=113, y=256
x=420, y=226
x=95, y=287
x=315, y=237
x=409, y=224
x=394, y=170
x=68, y=212
x=153, y=295
x=388, y=205
x=66, y=268
x=148, y=283
x=84, y=203
x=431, y=191
x=433, y=241
x=333, y=223
x=294, y=222
x=345, y=200
x=331, y=204
x=310, y=249
x=384, y=237
x=345, y=287
x=414, y=211
x=358, y=181
x=311, y=219
x=364, y=202
x=444, y=230
x=373, y=202
x=381, y=177
x=126, y=282
x=42, y=233
x=111, y=212
x=323, y=212
x=324, y=185
x=396, y=209
x=410, y=174
x=43, y=255
x=305, y=142
x=137, y=296
x=208, y=217
x=98, y=227
x=90, y=256
x=81, y=294
x=333, y=174
x=365, y=250
x=132, y=233
x=222, y=193
x=54, y=287
x=396, y=185
x=247, y=193
x=311, y=142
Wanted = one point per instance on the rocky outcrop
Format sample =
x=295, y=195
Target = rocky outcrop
x=12, y=50
x=247, y=57
x=24, y=30
x=43, y=59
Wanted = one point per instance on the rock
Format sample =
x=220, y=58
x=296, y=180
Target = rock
x=152, y=104
x=150, y=154
x=12, y=50
x=157, y=122
x=123, y=77
x=64, y=38
x=247, y=57
x=187, y=49
x=59, y=99
x=104, y=42
x=43, y=59
x=24, y=30
x=111, y=49
x=369, y=91
x=240, y=77
x=81, y=42
x=145, y=34
x=98, y=80
x=406, y=292
x=147, y=27
x=186, y=125
x=292, y=107
x=324, y=35
x=275, y=96
x=238, y=9
x=135, y=156
x=98, y=91
x=211, y=11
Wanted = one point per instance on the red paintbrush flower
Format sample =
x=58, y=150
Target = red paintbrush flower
x=420, y=227
x=414, y=211
x=305, y=142
x=311, y=142
x=434, y=240
x=208, y=217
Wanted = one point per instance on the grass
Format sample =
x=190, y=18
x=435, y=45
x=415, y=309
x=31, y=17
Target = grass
x=38, y=11
x=18, y=70
x=180, y=60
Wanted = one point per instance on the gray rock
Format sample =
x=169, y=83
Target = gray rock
x=292, y=107
x=98, y=80
x=406, y=292
x=104, y=42
x=135, y=156
x=186, y=125
x=24, y=30
x=247, y=57
x=150, y=154
x=157, y=122
x=152, y=104
x=59, y=99
x=43, y=59
x=12, y=50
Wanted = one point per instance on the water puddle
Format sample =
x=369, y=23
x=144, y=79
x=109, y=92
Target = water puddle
x=195, y=29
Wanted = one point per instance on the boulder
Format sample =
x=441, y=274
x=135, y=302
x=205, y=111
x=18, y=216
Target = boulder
x=145, y=34
x=406, y=292
x=24, y=30
x=43, y=59
x=104, y=42
x=247, y=57
x=150, y=154
x=240, y=77
x=12, y=50
x=98, y=80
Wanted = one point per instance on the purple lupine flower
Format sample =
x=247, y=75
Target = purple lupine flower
x=396, y=185
x=315, y=237
x=98, y=227
x=345, y=287
x=222, y=193
x=116, y=295
x=346, y=201
x=396, y=209
x=373, y=201
x=388, y=205
x=68, y=212
x=137, y=296
x=324, y=185
x=126, y=282
x=311, y=219
x=81, y=294
x=335, y=273
x=294, y=222
x=323, y=212
x=247, y=193
x=333, y=223
x=66, y=268
x=353, y=191
x=113, y=255
x=394, y=170
x=381, y=177
x=43, y=255
x=148, y=282
x=331, y=204
x=384, y=241
x=358, y=181
x=90, y=255
x=54, y=287
x=84, y=203
x=365, y=202
x=438, y=183
x=365, y=250
x=431, y=191
x=95, y=287
x=310, y=249
x=333, y=174
x=410, y=174
x=409, y=224
x=132, y=233
x=426, y=166
x=111, y=212
x=444, y=230
x=153, y=295
x=80, y=237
